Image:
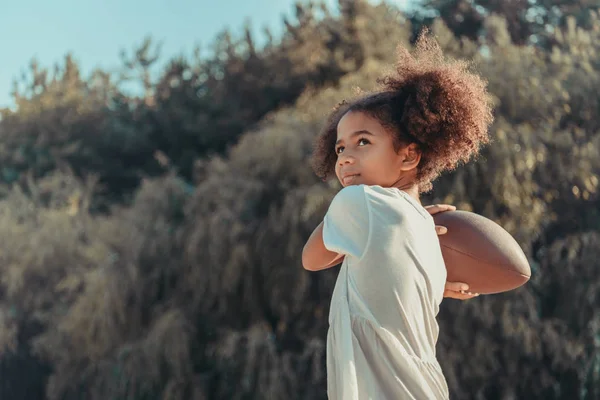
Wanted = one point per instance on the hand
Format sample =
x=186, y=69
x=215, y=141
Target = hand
x=437, y=208
x=338, y=260
x=458, y=290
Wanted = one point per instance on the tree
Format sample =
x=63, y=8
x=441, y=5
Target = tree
x=532, y=22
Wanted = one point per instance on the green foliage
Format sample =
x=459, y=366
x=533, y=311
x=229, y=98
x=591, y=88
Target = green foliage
x=197, y=292
x=195, y=107
x=528, y=21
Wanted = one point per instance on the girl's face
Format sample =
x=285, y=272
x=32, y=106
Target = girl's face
x=366, y=154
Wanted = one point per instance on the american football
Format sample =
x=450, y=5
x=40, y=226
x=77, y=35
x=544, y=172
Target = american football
x=480, y=253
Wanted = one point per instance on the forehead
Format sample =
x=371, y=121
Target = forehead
x=357, y=121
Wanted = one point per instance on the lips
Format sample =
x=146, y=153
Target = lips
x=348, y=179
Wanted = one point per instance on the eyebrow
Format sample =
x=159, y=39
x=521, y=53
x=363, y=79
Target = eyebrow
x=354, y=134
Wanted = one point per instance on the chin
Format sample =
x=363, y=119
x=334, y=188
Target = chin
x=354, y=184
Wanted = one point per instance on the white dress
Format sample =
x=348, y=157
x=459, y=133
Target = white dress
x=382, y=322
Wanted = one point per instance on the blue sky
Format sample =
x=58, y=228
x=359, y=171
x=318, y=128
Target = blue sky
x=95, y=31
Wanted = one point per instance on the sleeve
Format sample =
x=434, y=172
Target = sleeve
x=346, y=224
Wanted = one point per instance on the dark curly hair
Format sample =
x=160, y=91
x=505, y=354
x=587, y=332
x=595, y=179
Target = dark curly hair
x=431, y=101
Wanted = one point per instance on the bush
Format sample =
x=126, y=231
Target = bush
x=198, y=291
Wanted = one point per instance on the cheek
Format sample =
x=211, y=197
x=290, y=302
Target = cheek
x=384, y=164
x=336, y=169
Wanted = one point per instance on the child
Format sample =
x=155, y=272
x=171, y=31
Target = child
x=385, y=149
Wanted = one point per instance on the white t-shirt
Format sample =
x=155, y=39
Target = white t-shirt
x=382, y=327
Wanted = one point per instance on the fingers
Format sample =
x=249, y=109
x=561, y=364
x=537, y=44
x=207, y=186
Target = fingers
x=437, y=208
x=458, y=290
x=456, y=286
x=459, y=295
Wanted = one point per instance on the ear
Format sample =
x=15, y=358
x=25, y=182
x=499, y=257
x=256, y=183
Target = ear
x=411, y=156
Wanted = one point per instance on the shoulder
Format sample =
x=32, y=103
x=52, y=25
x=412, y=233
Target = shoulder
x=381, y=192
x=355, y=196
x=346, y=225
x=366, y=190
x=349, y=204
x=351, y=198
x=350, y=193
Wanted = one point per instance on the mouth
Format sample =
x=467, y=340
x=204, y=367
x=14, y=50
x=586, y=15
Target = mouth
x=349, y=179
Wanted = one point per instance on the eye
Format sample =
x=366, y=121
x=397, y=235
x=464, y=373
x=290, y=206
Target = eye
x=363, y=141
x=338, y=150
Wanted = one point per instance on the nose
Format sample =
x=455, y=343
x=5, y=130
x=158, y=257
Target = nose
x=345, y=158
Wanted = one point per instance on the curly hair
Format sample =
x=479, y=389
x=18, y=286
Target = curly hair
x=431, y=101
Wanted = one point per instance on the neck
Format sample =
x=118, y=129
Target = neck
x=409, y=186
x=412, y=191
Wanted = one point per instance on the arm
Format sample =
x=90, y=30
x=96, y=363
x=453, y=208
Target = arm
x=315, y=257
x=342, y=232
